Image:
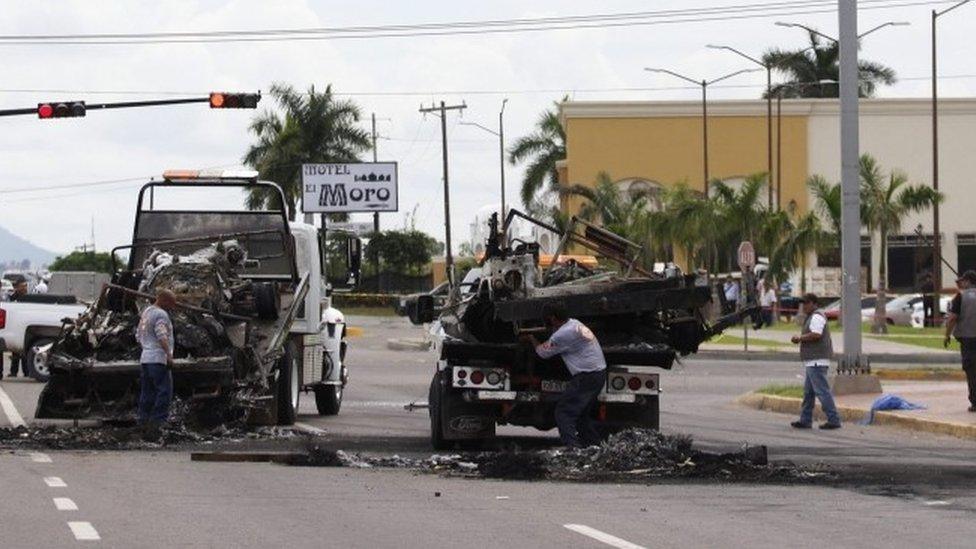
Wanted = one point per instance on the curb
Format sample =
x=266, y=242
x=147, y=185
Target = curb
x=780, y=356
x=919, y=375
x=786, y=405
x=407, y=344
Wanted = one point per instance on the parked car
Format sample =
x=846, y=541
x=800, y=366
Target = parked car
x=898, y=311
x=918, y=313
x=832, y=310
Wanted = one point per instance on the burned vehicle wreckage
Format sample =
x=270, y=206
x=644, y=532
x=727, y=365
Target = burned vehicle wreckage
x=644, y=320
x=247, y=330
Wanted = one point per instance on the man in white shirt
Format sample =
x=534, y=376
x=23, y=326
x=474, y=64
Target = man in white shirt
x=816, y=352
x=767, y=300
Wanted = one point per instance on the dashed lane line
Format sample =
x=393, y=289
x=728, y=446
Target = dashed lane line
x=83, y=531
x=38, y=457
x=65, y=504
x=602, y=537
x=13, y=416
x=54, y=482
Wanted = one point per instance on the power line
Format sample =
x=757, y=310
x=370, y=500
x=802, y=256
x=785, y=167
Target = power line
x=422, y=93
x=695, y=15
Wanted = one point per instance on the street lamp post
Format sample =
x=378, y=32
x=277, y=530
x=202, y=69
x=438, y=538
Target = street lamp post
x=704, y=86
x=500, y=134
x=769, y=114
x=936, y=237
x=860, y=36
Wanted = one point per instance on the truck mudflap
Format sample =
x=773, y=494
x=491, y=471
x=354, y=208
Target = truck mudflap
x=110, y=390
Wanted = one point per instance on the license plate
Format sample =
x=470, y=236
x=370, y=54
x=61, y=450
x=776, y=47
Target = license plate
x=554, y=386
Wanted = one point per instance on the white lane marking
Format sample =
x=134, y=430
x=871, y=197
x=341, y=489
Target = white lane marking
x=309, y=429
x=65, y=504
x=604, y=537
x=38, y=457
x=83, y=531
x=54, y=482
x=13, y=416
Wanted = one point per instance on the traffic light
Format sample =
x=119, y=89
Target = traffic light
x=66, y=109
x=223, y=100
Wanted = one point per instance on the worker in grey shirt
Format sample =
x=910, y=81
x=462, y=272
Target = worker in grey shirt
x=816, y=352
x=962, y=324
x=583, y=356
x=155, y=334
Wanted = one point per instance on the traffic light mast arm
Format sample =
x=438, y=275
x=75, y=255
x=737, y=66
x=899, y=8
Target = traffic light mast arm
x=129, y=104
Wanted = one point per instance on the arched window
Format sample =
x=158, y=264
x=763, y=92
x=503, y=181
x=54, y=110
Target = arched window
x=633, y=188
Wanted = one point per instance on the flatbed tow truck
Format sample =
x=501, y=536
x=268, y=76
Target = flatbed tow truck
x=483, y=377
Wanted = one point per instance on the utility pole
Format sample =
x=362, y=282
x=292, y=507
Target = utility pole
x=501, y=151
x=376, y=215
x=448, y=255
x=937, y=236
x=850, y=195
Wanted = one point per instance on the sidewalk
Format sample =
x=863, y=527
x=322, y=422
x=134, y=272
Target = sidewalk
x=946, y=404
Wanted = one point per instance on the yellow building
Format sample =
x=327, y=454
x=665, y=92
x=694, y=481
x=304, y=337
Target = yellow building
x=655, y=144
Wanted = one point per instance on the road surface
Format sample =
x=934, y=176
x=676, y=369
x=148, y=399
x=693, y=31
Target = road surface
x=916, y=489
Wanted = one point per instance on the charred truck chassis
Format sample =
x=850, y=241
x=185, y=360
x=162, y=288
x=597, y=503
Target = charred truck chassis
x=483, y=378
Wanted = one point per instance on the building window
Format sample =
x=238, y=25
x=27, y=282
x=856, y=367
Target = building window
x=909, y=258
x=966, y=250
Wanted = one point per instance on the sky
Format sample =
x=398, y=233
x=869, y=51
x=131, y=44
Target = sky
x=530, y=69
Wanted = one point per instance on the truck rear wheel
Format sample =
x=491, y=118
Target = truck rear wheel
x=288, y=389
x=32, y=363
x=328, y=399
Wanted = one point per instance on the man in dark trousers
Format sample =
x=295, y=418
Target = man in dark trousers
x=961, y=323
x=583, y=356
x=927, y=288
x=16, y=361
x=816, y=352
x=155, y=334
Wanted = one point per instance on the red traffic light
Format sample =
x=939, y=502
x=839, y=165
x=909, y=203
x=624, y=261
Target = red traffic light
x=223, y=100
x=68, y=109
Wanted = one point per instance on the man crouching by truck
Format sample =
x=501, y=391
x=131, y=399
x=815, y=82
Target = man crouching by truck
x=583, y=356
x=155, y=334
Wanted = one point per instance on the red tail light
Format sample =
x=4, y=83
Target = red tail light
x=462, y=374
x=634, y=384
x=3, y=319
x=649, y=384
x=477, y=377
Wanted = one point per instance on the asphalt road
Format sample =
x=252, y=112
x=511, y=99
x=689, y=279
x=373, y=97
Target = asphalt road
x=915, y=490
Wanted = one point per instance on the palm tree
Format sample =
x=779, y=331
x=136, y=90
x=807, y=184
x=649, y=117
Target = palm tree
x=887, y=200
x=622, y=213
x=691, y=222
x=314, y=127
x=821, y=61
x=542, y=149
x=741, y=211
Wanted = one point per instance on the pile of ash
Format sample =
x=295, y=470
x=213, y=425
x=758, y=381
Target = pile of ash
x=636, y=454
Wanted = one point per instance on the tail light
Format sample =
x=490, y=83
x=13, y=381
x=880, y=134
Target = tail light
x=618, y=383
x=634, y=383
x=649, y=384
x=462, y=374
x=477, y=377
x=3, y=319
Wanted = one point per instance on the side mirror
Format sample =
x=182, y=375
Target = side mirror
x=420, y=309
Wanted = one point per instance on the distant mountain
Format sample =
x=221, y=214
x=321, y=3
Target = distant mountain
x=15, y=248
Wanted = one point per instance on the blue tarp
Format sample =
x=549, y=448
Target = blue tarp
x=890, y=402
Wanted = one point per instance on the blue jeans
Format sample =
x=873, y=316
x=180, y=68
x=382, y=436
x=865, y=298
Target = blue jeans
x=156, y=393
x=816, y=385
x=575, y=407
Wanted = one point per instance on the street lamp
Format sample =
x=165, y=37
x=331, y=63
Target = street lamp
x=937, y=238
x=779, y=128
x=769, y=113
x=500, y=134
x=704, y=86
x=860, y=36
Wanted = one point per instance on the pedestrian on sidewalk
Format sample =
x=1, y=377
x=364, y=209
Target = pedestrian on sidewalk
x=768, y=303
x=731, y=291
x=583, y=356
x=961, y=323
x=155, y=334
x=816, y=352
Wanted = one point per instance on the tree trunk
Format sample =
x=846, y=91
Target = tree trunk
x=880, y=325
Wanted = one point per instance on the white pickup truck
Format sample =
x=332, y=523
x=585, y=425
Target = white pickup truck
x=31, y=323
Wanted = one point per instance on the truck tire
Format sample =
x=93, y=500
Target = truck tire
x=328, y=399
x=288, y=389
x=31, y=362
x=436, y=419
x=266, y=301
